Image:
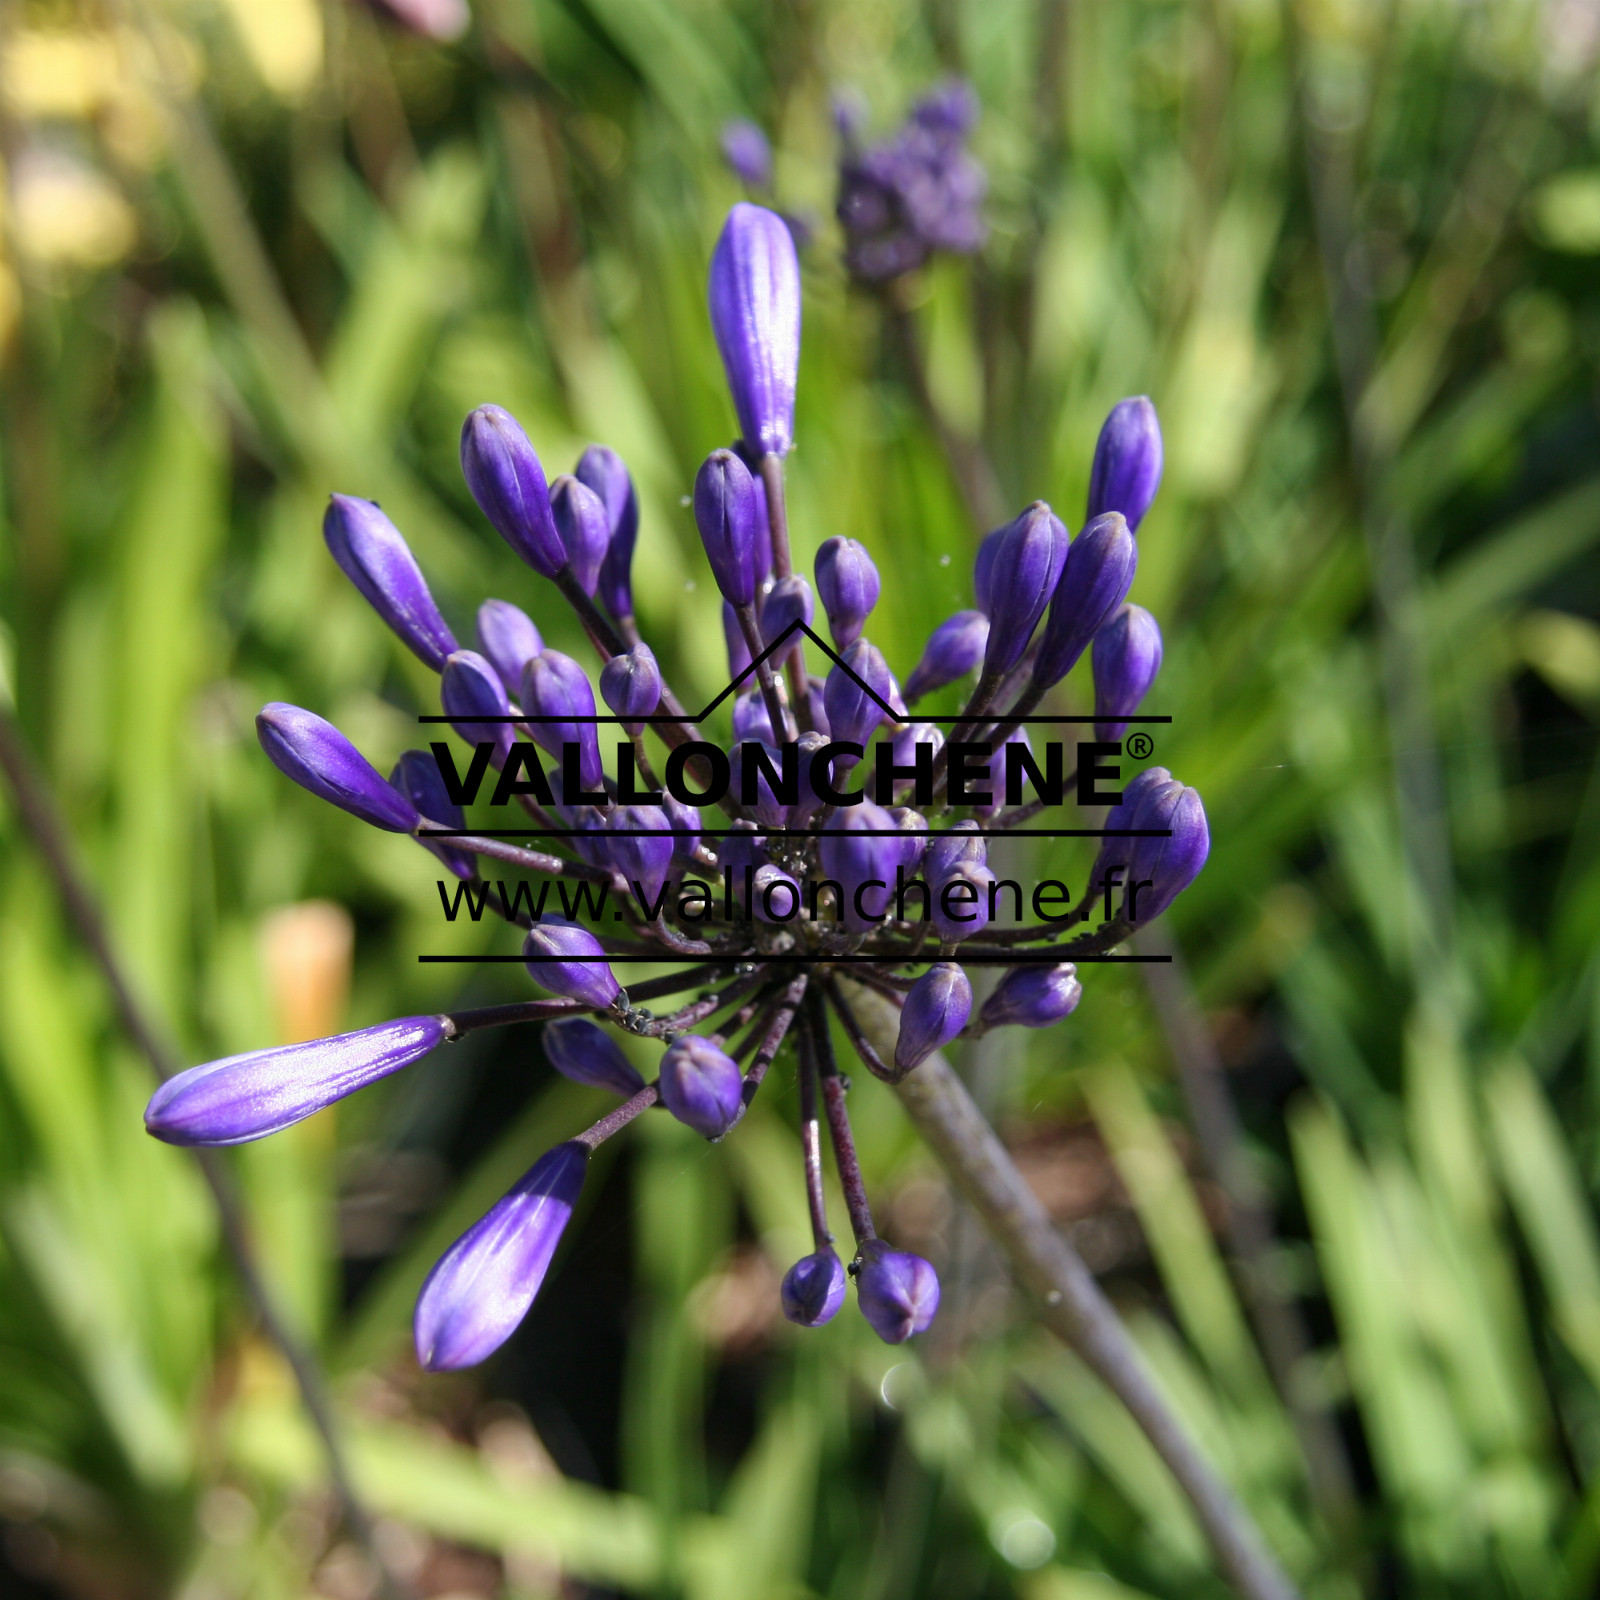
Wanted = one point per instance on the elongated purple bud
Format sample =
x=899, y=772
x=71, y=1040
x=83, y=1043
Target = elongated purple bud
x=584, y=1052
x=507, y=640
x=775, y=895
x=848, y=585
x=1126, y=658
x=994, y=785
x=983, y=568
x=961, y=901
x=602, y=470
x=749, y=780
x=898, y=1292
x=469, y=689
x=813, y=1289
x=482, y=1286
x=957, y=844
x=701, y=1085
x=641, y=850
x=936, y=1010
x=1127, y=462
x=787, y=602
x=313, y=752
x=954, y=649
x=416, y=776
x=684, y=820
x=630, y=685
x=1113, y=850
x=738, y=649
x=755, y=314
x=1034, y=996
x=747, y=152
x=858, y=688
x=859, y=852
x=1028, y=562
x=1168, y=865
x=556, y=687
x=247, y=1097
x=585, y=529
x=377, y=560
x=568, y=960
x=725, y=512
x=506, y=478
x=1101, y=563
x=913, y=840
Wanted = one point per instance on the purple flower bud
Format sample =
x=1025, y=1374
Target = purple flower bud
x=1127, y=462
x=905, y=741
x=787, y=602
x=1098, y=574
x=860, y=848
x=913, y=840
x=1169, y=865
x=742, y=846
x=508, y=640
x=961, y=901
x=774, y=894
x=484, y=1283
x=585, y=529
x=983, y=567
x=378, y=561
x=568, y=960
x=936, y=1010
x=642, y=861
x=738, y=649
x=813, y=1289
x=701, y=1085
x=954, y=649
x=602, y=470
x=898, y=1292
x=726, y=513
x=857, y=690
x=956, y=844
x=630, y=685
x=848, y=584
x=1125, y=814
x=506, y=479
x=583, y=1051
x=555, y=686
x=755, y=314
x=318, y=757
x=470, y=688
x=766, y=807
x=1126, y=658
x=747, y=152
x=994, y=785
x=416, y=776
x=1028, y=561
x=1034, y=996
x=247, y=1097
x=684, y=820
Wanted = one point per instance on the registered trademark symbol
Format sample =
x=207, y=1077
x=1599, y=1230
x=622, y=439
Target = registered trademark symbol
x=1141, y=746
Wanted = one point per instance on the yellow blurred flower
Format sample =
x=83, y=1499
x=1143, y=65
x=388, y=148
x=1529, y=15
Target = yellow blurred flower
x=65, y=213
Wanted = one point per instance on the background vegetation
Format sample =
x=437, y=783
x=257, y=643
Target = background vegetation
x=1342, y=1182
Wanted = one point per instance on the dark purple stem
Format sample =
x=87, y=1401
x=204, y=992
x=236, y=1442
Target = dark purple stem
x=811, y=1145
x=620, y=1118
x=844, y=1145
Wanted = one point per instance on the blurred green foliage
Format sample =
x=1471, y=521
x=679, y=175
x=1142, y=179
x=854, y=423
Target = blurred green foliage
x=255, y=250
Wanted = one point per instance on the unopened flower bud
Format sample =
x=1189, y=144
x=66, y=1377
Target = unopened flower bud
x=249, y=1096
x=470, y=689
x=630, y=685
x=416, y=776
x=684, y=820
x=377, y=560
x=961, y=901
x=602, y=470
x=747, y=152
x=1034, y=996
x=482, y=1286
x=954, y=649
x=318, y=757
x=787, y=602
x=1169, y=865
x=813, y=1289
x=506, y=478
x=1126, y=658
x=898, y=1292
x=568, y=960
x=726, y=513
x=858, y=689
x=701, y=1085
x=935, y=1011
x=848, y=585
x=1098, y=574
x=554, y=686
x=859, y=852
x=1127, y=462
x=755, y=314
x=585, y=529
x=640, y=848
x=1027, y=566
x=983, y=567
x=584, y=1052
x=507, y=640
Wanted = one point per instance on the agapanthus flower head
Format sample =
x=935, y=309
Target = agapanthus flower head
x=416, y=776
x=936, y=1010
x=898, y=1292
x=755, y=314
x=483, y=1284
x=727, y=514
x=1127, y=462
x=567, y=959
x=506, y=478
x=1094, y=583
x=848, y=583
x=313, y=752
x=470, y=689
x=1034, y=996
x=602, y=469
x=249, y=1096
x=748, y=153
x=630, y=685
x=813, y=1289
x=954, y=649
x=920, y=191
x=584, y=1052
x=585, y=528
x=701, y=1085
x=1126, y=658
x=378, y=561
x=507, y=640
x=1027, y=564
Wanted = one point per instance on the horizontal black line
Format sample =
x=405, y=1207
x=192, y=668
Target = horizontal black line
x=1022, y=958
x=793, y=833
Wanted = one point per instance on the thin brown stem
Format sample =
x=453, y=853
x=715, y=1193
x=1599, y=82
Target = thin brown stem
x=771, y=694
x=620, y=1118
x=844, y=1145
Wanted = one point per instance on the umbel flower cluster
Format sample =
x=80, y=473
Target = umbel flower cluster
x=817, y=921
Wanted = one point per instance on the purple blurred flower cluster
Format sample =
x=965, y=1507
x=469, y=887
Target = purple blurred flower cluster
x=827, y=866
